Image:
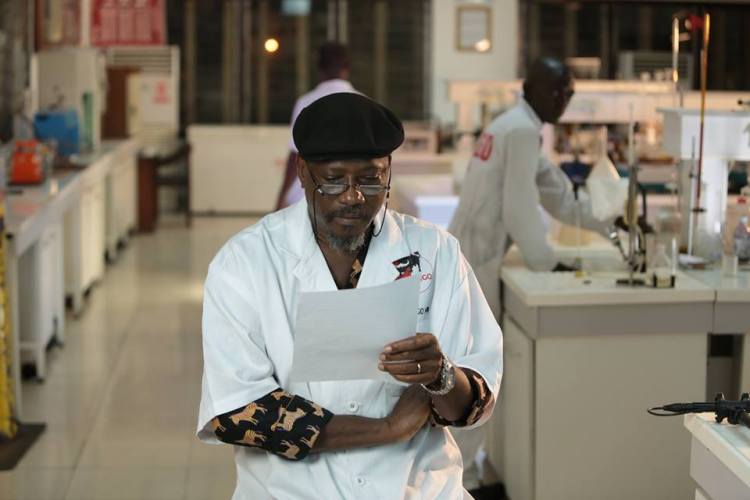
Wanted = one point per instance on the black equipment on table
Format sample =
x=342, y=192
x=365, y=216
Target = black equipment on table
x=735, y=412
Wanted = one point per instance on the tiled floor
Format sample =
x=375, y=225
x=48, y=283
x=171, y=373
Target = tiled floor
x=121, y=397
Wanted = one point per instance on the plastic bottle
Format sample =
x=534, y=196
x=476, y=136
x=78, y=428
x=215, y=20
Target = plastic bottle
x=661, y=268
x=668, y=227
x=737, y=231
x=607, y=191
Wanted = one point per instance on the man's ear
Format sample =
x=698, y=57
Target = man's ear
x=301, y=166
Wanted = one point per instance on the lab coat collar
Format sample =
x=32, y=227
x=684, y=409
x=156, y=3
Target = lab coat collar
x=311, y=268
x=338, y=84
x=301, y=244
x=526, y=107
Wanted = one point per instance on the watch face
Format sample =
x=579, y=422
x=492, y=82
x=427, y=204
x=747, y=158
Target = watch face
x=451, y=373
x=448, y=375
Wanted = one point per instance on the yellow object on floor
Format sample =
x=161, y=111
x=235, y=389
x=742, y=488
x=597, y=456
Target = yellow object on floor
x=8, y=425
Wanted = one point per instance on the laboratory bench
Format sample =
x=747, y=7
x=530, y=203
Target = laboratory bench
x=729, y=372
x=719, y=458
x=731, y=313
x=584, y=358
x=58, y=236
x=102, y=217
x=34, y=224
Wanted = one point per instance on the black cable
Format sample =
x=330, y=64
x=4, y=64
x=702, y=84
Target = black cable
x=315, y=212
x=735, y=412
x=387, y=197
x=675, y=409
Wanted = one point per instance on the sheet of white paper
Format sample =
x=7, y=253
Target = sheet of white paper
x=339, y=335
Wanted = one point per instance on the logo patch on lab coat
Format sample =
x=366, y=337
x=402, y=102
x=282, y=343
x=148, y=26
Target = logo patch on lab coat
x=405, y=265
x=415, y=264
x=483, y=149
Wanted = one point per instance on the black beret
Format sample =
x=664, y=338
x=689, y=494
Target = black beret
x=346, y=126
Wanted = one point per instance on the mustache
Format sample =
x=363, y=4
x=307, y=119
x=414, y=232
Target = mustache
x=354, y=213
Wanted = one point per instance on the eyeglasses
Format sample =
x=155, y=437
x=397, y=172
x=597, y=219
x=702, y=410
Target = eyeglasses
x=337, y=189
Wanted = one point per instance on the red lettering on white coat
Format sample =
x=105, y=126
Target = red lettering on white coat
x=483, y=149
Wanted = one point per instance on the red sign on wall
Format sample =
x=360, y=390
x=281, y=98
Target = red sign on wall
x=128, y=22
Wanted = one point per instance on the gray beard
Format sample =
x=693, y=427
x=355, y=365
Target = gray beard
x=348, y=245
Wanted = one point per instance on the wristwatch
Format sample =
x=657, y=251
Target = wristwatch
x=445, y=381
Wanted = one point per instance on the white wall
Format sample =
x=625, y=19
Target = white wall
x=500, y=63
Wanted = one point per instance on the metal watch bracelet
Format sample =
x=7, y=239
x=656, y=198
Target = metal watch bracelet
x=447, y=379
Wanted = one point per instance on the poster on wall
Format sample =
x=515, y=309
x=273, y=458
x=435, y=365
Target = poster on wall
x=57, y=23
x=156, y=100
x=474, y=28
x=128, y=22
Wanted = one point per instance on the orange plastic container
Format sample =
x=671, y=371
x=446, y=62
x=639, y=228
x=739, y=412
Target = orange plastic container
x=27, y=163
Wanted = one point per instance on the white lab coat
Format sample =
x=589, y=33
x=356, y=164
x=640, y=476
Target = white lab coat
x=506, y=181
x=327, y=87
x=251, y=297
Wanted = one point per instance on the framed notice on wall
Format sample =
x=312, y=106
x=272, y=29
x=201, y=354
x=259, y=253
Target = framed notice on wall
x=58, y=23
x=474, y=28
x=128, y=22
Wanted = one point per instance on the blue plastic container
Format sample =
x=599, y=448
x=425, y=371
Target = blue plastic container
x=60, y=126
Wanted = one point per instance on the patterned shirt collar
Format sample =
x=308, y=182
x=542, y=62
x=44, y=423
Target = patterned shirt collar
x=359, y=262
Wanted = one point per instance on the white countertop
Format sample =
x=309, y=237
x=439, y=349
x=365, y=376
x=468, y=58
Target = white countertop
x=598, y=255
x=734, y=289
x=27, y=213
x=729, y=443
x=709, y=112
x=97, y=165
x=597, y=288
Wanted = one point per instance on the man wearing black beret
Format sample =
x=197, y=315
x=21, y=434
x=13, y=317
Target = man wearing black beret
x=356, y=438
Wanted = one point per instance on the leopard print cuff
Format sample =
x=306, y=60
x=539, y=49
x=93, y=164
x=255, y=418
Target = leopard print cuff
x=281, y=423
